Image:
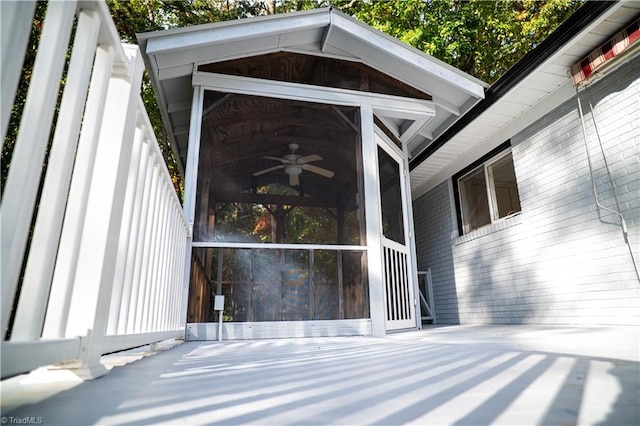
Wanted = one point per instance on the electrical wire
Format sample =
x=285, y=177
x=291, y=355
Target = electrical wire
x=623, y=222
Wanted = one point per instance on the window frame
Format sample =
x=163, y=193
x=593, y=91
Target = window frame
x=485, y=162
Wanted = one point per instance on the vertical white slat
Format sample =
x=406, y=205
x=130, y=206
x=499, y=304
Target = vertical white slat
x=387, y=280
x=135, y=241
x=180, y=314
x=390, y=285
x=69, y=245
x=21, y=189
x=179, y=257
x=393, y=283
x=167, y=266
x=162, y=282
x=398, y=283
x=405, y=286
x=89, y=308
x=136, y=272
x=125, y=238
x=190, y=187
x=154, y=261
x=401, y=293
x=174, y=281
x=177, y=282
x=166, y=241
x=148, y=247
x=15, y=28
x=46, y=236
x=165, y=301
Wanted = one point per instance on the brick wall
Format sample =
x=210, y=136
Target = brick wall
x=433, y=226
x=562, y=260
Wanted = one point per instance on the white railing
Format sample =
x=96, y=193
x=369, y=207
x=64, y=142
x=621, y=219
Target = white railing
x=95, y=263
x=400, y=308
x=425, y=287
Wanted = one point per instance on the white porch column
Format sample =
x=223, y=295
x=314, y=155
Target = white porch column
x=191, y=181
x=89, y=308
x=372, y=211
x=413, y=256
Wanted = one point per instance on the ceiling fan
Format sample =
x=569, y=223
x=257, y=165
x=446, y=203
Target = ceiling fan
x=293, y=165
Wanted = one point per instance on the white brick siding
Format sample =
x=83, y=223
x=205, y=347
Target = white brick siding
x=562, y=260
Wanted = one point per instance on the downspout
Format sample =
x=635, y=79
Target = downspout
x=594, y=189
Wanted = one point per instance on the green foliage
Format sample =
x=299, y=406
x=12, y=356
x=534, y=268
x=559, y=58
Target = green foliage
x=483, y=38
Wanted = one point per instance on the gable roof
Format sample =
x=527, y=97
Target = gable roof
x=535, y=85
x=172, y=56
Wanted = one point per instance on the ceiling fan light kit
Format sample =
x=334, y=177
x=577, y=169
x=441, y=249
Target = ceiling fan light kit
x=293, y=165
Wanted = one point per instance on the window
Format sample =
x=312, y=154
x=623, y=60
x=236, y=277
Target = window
x=487, y=191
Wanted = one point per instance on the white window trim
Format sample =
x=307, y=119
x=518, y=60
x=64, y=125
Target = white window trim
x=490, y=188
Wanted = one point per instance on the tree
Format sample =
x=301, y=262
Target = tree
x=483, y=38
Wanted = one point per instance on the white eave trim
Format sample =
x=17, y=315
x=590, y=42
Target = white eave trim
x=388, y=105
x=251, y=28
x=406, y=54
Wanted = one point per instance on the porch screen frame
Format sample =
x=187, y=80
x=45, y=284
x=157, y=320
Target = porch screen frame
x=367, y=103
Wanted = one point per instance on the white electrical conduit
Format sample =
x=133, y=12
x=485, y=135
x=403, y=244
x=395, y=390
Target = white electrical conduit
x=623, y=222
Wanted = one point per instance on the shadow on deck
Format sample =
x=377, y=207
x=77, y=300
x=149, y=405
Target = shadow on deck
x=459, y=375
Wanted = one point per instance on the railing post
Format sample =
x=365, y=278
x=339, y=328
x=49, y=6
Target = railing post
x=15, y=29
x=19, y=198
x=46, y=235
x=89, y=309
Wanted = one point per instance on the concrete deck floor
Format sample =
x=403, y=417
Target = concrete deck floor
x=459, y=375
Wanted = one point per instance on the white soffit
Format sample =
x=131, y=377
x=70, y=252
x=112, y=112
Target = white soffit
x=172, y=56
x=535, y=95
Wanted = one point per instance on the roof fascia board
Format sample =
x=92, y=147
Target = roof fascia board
x=175, y=72
x=327, y=34
x=241, y=30
x=221, y=24
x=581, y=22
x=546, y=105
x=408, y=55
x=450, y=121
x=407, y=108
x=160, y=95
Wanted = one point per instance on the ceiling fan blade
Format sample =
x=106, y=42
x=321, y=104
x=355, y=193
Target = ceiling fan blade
x=276, y=159
x=309, y=159
x=294, y=180
x=318, y=170
x=270, y=169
